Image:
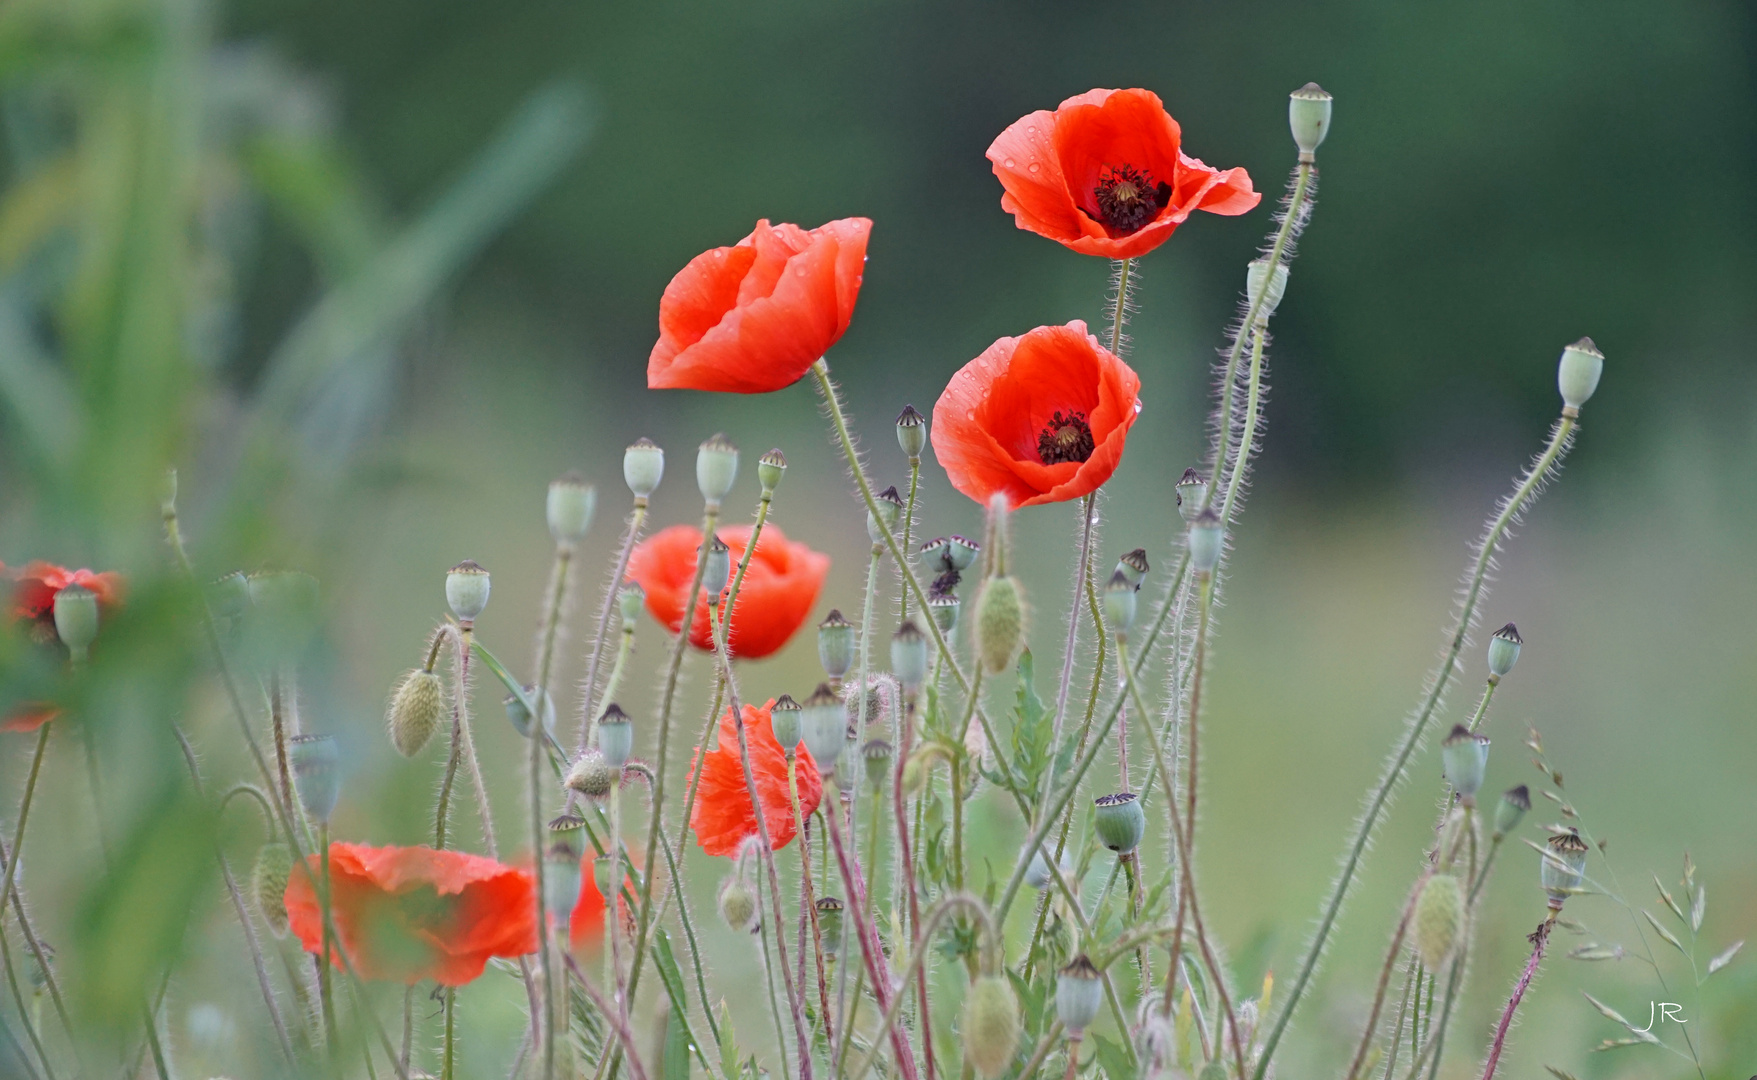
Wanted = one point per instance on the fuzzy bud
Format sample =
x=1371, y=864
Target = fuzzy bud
x=835, y=644
x=1578, y=372
x=1510, y=811
x=769, y=469
x=784, y=716
x=520, y=717
x=1120, y=821
x=268, y=885
x=911, y=432
x=415, y=711
x=1308, y=117
x=615, y=736
x=76, y=618
x=630, y=600
x=1078, y=993
x=466, y=590
x=829, y=921
x=1564, y=866
x=592, y=775
x=1192, y=494
x=961, y=551
x=643, y=466
x=716, y=468
x=990, y=1027
x=876, y=755
x=716, y=570
x=944, y=609
x=1259, y=283
x=1439, y=916
x=1119, y=603
x=890, y=509
x=1000, y=623
x=317, y=775
x=823, y=726
x=570, y=505
x=1134, y=566
x=1207, y=539
x=737, y=904
x=909, y=655
x=1465, y=757
x=1504, y=650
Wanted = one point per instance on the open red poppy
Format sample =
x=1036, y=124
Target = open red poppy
x=33, y=593
x=1041, y=418
x=754, y=317
x=1105, y=174
x=403, y=914
x=723, y=817
x=778, y=592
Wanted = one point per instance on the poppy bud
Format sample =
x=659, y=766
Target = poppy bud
x=561, y=881
x=520, y=717
x=1308, y=116
x=909, y=656
x=890, y=508
x=1119, y=603
x=1134, y=566
x=570, y=506
x=1259, y=283
x=876, y=755
x=823, y=727
x=1207, y=538
x=1120, y=821
x=1192, y=492
x=1000, y=623
x=1564, y=866
x=643, y=466
x=835, y=644
x=1577, y=374
x=76, y=618
x=717, y=569
x=592, y=775
x=415, y=711
x=944, y=610
x=1464, y=756
x=1504, y=650
x=1511, y=809
x=615, y=736
x=317, y=777
x=784, y=717
x=268, y=885
x=961, y=551
x=737, y=905
x=1439, y=915
x=466, y=590
x=1078, y=993
x=630, y=600
x=911, y=432
x=990, y=1026
x=769, y=468
x=716, y=467
x=829, y=922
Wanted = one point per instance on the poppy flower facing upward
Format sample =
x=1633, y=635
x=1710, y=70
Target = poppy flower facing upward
x=1105, y=174
x=404, y=914
x=778, y=592
x=33, y=592
x=723, y=817
x=754, y=317
x=1040, y=418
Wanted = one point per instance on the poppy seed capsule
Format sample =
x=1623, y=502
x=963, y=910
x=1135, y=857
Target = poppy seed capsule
x=1207, y=539
x=569, y=508
x=1504, y=650
x=415, y=710
x=1134, y=566
x=643, y=466
x=615, y=736
x=716, y=468
x=961, y=551
x=769, y=469
x=944, y=610
x=737, y=905
x=520, y=717
x=601, y=874
x=1510, y=811
x=630, y=600
x=466, y=590
x=823, y=727
x=268, y=885
x=561, y=881
x=1000, y=623
x=911, y=432
x=1192, y=493
x=316, y=761
x=1464, y=756
x=1578, y=372
x=1120, y=821
x=784, y=718
x=835, y=644
x=876, y=754
x=592, y=775
x=1308, y=117
x=890, y=508
x=1119, y=603
x=829, y=922
x=990, y=1026
x=76, y=618
x=1078, y=993
x=1259, y=283
x=716, y=570
x=1439, y=915
x=1564, y=866
x=909, y=655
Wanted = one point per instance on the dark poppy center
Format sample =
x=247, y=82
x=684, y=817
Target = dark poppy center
x=1128, y=198
x=1067, y=437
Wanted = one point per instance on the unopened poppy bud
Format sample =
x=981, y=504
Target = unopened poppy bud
x=823, y=727
x=268, y=885
x=769, y=468
x=1464, y=756
x=890, y=508
x=829, y=922
x=561, y=881
x=835, y=644
x=592, y=775
x=944, y=609
x=1192, y=494
x=784, y=717
x=630, y=599
x=317, y=774
x=520, y=717
x=615, y=736
x=876, y=756
x=1134, y=566
x=1308, y=116
x=1439, y=916
x=716, y=468
x=990, y=1027
x=1504, y=650
x=909, y=655
x=466, y=590
x=1120, y=821
x=737, y=904
x=717, y=569
x=1078, y=993
x=76, y=618
x=1564, y=866
x=1510, y=811
x=961, y=551
x=643, y=466
x=1000, y=623
x=1259, y=283
x=1119, y=603
x=570, y=506
x=911, y=432
x=1577, y=374
x=415, y=710
x=1207, y=538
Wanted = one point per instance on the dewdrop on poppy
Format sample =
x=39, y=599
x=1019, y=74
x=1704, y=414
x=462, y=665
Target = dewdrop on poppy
x=716, y=468
x=1191, y=494
x=1439, y=916
x=1464, y=755
x=1308, y=117
x=909, y=656
x=1078, y=993
x=835, y=644
x=890, y=508
x=784, y=717
x=911, y=432
x=316, y=761
x=76, y=618
x=1120, y=821
x=1119, y=603
x=1207, y=539
x=643, y=467
x=268, y=884
x=1000, y=623
x=1510, y=811
x=1504, y=650
x=569, y=508
x=1577, y=374
x=990, y=1027
x=466, y=589
x=615, y=736
x=415, y=709
x=769, y=469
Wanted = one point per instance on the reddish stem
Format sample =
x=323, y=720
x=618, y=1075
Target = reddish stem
x=1539, y=938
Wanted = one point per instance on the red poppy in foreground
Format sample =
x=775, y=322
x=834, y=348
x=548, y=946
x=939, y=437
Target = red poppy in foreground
x=778, y=592
x=1040, y=418
x=1104, y=174
x=29, y=716
x=723, y=817
x=33, y=593
x=404, y=914
x=754, y=317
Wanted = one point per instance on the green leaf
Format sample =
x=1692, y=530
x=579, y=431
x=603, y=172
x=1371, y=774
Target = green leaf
x=666, y=961
x=1725, y=958
x=728, y=1044
x=1112, y=1059
x=677, y=1047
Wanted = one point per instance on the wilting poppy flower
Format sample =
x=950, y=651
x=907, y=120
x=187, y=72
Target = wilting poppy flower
x=1104, y=174
x=404, y=914
x=33, y=593
x=778, y=592
x=723, y=817
x=755, y=316
x=1041, y=418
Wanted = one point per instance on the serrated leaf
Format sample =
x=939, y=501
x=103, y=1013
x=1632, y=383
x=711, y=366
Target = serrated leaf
x=1667, y=898
x=1560, y=1074
x=728, y=1044
x=1596, y=952
x=1698, y=908
x=1659, y=927
x=1725, y=958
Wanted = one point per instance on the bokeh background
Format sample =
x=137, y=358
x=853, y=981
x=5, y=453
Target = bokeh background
x=371, y=274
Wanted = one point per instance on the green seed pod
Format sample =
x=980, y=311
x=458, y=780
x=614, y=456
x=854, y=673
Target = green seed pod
x=990, y=1027
x=835, y=644
x=1134, y=566
x=317, y=775
x=823, y=727
x=601, y=874
x=769, y=469
x=717, y=570
x=570, y=505
x=1504, y=650
x=1511, y=809
x=1564, y=866
x=615, y=736
x=466, y=590
x=520, y=717
x=961, y=551
x=268, y=885
x=1192, y=494
x=592, y=775
x=1258, y=283
x=1439, y=916
x=1078, y=993
x=737, y=905
x=911, y=432
x=944, y=609
x=1207, y=541
x=716, y=468
x=829, y=921
x=1120, y=821
x=909, y=655
x=76, y=618
x=784, y=718
x=630, y=599
x=561, y=880
x=1119, y=603
x=415, y=711
x=643, y=466
x=876, y=755
x=1465, y=758
x=1308, y=117
x=890, y=509
x=936, y=554
x=1578, y=372
x=1000, y=623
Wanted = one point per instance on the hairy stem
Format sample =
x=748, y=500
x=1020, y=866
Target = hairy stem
x=588, y=700
x=1539, y=939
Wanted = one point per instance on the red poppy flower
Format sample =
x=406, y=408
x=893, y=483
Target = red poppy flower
x=33, y=594
x=404, y=914
x=754, y=317
x=1104, y=174
x=585, y=927
x=29, y=716
x=779, y=588
x=723, y=817
x=1041, y=418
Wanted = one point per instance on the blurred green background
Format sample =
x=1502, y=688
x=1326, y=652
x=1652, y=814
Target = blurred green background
x=370, y=274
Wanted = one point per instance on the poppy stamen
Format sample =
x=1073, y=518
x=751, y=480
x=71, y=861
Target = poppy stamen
x=1067, y=437
x=1128, y=198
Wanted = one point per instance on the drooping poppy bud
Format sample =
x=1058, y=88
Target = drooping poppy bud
x=1000, y=623
x=415, y=711
x=716, y=468
x=991, y=1025
x=466, y=589
x=1439, y=916
x=569, y=508
x=1120, y=821
x=643, y=466
x=737, y=905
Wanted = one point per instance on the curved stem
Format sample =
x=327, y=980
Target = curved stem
x=1249, y=436
x=1072, y=640
x=1538, y=940
x=871, y=950
x=908, y=528
x=546, y=652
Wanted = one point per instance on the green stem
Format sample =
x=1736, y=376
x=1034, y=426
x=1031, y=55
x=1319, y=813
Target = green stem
x=551, y=630
x=588, y=703
x=448, y=1054
x=908, y=527
x=24, y=811
x=323, y=988
x=1249, y=436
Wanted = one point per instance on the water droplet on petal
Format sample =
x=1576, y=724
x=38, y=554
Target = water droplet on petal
x=1035, y=166
x=1008, y=163
x=969, y=414
x=1137, y=406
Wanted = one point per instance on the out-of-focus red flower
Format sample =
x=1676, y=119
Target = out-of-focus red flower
x=723, y=817
x=1105, y=174
x=33, y=592
x=754, y=317
x=779, y=588
x=1041, y=418
x=404, y=914
x=29, y=716
x=585, y=928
